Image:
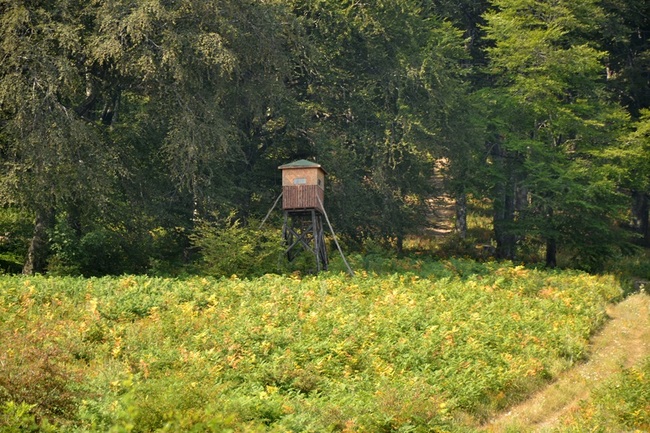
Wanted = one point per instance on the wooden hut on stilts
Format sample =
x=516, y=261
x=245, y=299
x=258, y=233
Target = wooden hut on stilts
x=303, y=195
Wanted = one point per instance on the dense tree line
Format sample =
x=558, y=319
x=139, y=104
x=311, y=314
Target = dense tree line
x=123, y=124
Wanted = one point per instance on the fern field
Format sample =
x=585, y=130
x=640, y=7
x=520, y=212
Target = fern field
x=439, y=350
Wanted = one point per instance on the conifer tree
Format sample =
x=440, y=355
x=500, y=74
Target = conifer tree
x=553, y=112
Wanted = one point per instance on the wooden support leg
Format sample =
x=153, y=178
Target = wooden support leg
x=307, y=230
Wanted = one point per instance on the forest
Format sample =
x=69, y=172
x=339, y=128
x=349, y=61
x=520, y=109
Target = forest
x=138, y=136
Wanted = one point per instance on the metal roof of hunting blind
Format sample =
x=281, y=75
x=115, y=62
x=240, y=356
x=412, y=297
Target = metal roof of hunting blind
x=302, y=163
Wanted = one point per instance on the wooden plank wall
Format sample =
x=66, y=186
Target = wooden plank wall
x=302, y=197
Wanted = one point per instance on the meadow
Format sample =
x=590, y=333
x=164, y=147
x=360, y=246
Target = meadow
x=433, y=346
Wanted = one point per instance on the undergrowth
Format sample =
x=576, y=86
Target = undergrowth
x=437, y=346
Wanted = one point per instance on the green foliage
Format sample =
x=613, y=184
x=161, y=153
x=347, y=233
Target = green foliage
x=383, y=84
x=15, y=230
x=628, y=162
x=631, y=270
x=228, y=247
x=99, y=250
x=18, y=418
x=375, y=352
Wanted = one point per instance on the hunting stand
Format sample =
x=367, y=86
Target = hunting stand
x=303, y=194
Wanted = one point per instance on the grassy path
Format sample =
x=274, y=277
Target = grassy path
x=623, y=342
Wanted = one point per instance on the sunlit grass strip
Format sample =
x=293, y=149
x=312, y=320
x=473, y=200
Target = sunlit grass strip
x=620, y=404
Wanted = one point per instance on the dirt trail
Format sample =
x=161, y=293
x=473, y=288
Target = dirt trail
x=623, y=342
x=442, y=207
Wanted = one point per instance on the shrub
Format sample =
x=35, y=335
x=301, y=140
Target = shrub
x=15, y=230
x=632, y=270
x=99, y=250
x=19, y=418
x=228, y=247
x=35, y=372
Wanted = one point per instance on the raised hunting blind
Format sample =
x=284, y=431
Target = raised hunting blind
x=303, y=195
x=303, y=186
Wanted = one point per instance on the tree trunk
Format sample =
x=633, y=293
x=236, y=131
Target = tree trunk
x=551, y=244
x=504, y=220
x=551, y=253
x=640, y=215
x=111, y=108
x=504, y=207
x=461, y=214
x=399, y=244
x=521, y=194
x=37, y=253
